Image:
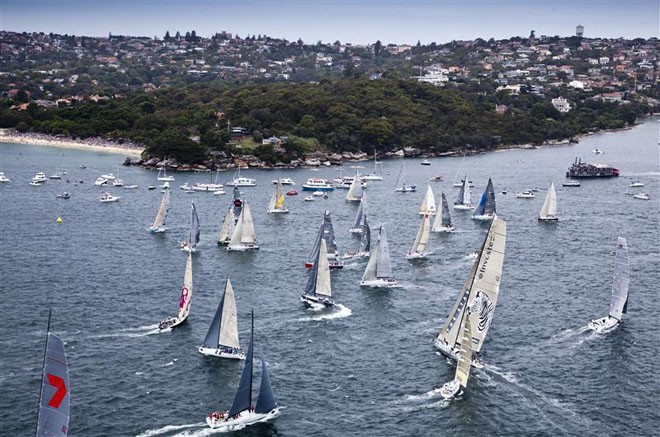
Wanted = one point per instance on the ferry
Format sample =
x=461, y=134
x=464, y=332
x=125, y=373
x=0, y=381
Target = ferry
x=314, y=184
x=581, y=169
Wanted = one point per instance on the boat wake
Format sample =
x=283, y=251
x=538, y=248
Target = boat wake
x=169, y=429
x=339, y=312
x=141, y=331
x=431, y=394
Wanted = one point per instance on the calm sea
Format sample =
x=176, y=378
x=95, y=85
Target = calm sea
x=370, y=367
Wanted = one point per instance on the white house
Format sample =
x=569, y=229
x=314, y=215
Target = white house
x=561, y=104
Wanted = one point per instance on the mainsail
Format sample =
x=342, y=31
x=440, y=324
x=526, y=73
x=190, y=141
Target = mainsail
x=244, y=231
x=193, y=236
x=227, y=227
x=366, y=236
x=465, y=194
x=161, y=216
x=329, y=233
x=319, y=278
x=428, y=204
x=480, y=290
x=486, y=205
x=278, y=200
x=443, y=218
x=224, y=327
x=549, y=208
x=361, y=214
x=186, y=291
x=355, y=190
x=619, y=301
x=54, y=408
x=465, y=356
x=421, y=243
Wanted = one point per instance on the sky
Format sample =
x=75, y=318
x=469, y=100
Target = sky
x=357, y=21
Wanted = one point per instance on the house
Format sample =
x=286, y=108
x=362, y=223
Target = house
x=561, y=104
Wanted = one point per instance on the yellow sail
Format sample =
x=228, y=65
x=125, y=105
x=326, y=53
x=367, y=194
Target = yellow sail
x=280, y=201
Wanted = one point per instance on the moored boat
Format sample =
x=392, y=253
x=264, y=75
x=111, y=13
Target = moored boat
x=581, y=169
x=315, y=184
x=108, y=197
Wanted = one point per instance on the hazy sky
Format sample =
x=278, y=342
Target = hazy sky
x=357, y=21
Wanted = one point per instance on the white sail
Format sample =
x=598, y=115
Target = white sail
x=428, y=204
x=186, y=291
x=277, y=200
x=620, y=285
x=228, y=334
x=549, y=209
x=421, y=243
x=323, y=285
x=244, y=236
x=467, y=192
x=355, y=190
x=480, y=291
x=161, y=216
x=370, y=270
x=227, y=227
x=442, y=220
x=465, y=356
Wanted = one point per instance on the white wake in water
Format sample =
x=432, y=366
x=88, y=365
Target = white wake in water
x=169, y=429
x=431, y=394
x=339, y=312
x=141, y=331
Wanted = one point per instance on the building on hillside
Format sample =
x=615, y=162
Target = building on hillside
x=561, y=104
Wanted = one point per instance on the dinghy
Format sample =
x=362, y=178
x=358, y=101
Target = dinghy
x=222, y=337
x=452, y=388
x=442, y=222
x=318, y=290
x=479, y=294
x=549, y=208
x=243, y=238
x=54, y=400
x=378, y=272
x=242, y=413
x=620, y=285
x=428, y=204
x=464, y=201
x=419, y=249
x=184, y=300
x=277, y=203
x=190, y=245
x=159, y=223
x=486, y=210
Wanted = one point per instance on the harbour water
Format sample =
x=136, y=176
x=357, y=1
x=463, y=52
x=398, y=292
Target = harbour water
x=368, y=368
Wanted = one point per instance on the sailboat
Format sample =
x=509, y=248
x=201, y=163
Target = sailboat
x=355, y=190
x=222, y=337
x=428, y=204
x=162, y=175
x=479, y=294
x=190, y=245
x=365, y=242
x=360, y=217
x=464, y=200
x=54, y=400
x=319, y=288
x=442, y=222
x=378, y=272
x=184, y=300
x=277, y=202
x=486, y=209
x=159, y=222
x=451, y=389
x=620, y=285
x=373, y=176
x=403, y=188
x=242, y=413
x=549, y=208
x=420, y=247
x=331, y=243
x=243, y=238
x=231, y=217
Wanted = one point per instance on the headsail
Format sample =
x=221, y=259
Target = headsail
x=161, y=216
x=421, y=242
x=319, y=277
x=383, y=266
x=193, y=236
x=277, y=201
x=443, y=218
x=186, y=291
x=428, y=204
x=227, y=227
x=486, y=205
x=355, y=190
x=465, y=356
x=224, y=327
x=619, y=301
x=243, y=396
x=54, y=408
x=266, y=401
x=549, y=208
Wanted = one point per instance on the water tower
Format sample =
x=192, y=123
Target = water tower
x=579, y=30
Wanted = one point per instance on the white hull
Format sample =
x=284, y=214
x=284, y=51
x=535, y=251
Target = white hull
x=170, y=323
x=277, y=211
x=444, y=229
x=188, y=248
x=450, y=389
x=416, y=255
x=242, y=248
x=604, y=324
x=405, y=189
x=221, y=353
x=371, y=178
x=316, y=300
x=354, y=255
x=549, y=218
x=453, y=353
x=379, y=283
x=485, y=217
x=356, y=230
x=464, y=207
x=244, y=419
x=157, y=230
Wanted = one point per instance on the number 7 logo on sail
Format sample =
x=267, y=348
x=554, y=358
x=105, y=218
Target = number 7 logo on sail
x=60, y=393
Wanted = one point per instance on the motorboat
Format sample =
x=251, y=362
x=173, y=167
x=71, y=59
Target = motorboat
x=109, y=176
x=83, y=166
x=437, y=178
x=35, y=183
x=314, y=184
x=525, y=194
x=347, y=181
x=186, y=187
x=219, y=192
x=39, y=177
x=206, y=187
x=292, y=193
x=118, y=182
x=318, y=193
x=130, y=187
x=284, y=181
x=570, y=183
x=151, y=187
x=242, y=182
x=309, y=199
x=425, y=162
x=597, y=151
x=636, y=184
x=101, y=182
x=63, y=195
x=57, y=175
x=4, y=178
x=165, y=186
x=108, y=197
x=641, y=196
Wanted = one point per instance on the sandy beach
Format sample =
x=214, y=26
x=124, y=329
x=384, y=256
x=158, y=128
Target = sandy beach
x=92, y=144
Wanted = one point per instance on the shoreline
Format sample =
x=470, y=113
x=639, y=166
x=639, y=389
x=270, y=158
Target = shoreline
x=92, y=145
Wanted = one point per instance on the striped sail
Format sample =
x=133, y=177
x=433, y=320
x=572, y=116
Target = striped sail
x=465, y=356
x=619, y=301
x=54, y=408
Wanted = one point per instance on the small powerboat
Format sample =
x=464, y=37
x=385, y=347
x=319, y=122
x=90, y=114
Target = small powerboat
x=642, y=196
x=63, y=195
x=636, y=184
x=292, y=193
x=525, y=194
x=107, y=197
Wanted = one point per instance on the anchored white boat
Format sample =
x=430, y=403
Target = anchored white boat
x=636, y=184
x=442, y=222
x=190, y=245
x=109, y=176
x=101, y=182
x=184, y=301
x=479, y=294
x=403, y=187
x=620, y=285
x=108, y=197
x=162, y=175
x=376, y=175
x=3, y=177
x=464, y=201
x=211, y=186
x=314, y=184
x=241, y=181
x=428, y=204
x=318, y=290
x=570, y=183
x=419, y=249
x=222, y=337
x=244, y=237
x=378, y=272
x=284, y=181
x=54, y=400
x=277, y=203
x=525, y=194
x=158, y=225
x=242, y=413
x=486, y=209
x=549, y=208
x=452, y=388
x=642, y=196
